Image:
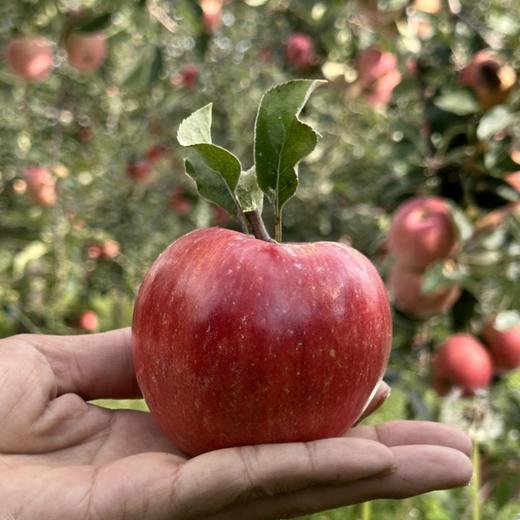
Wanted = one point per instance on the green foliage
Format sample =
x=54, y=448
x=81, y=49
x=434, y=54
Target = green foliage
x=433, y=137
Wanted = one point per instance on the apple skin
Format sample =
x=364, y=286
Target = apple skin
x=405, y=286
x=139, y=170
x=41, y=186
x=211, y=14
x=299, y=51
x=378, y=75
x=89, y=321
x=464, y=362
x=490, y=77
x=504, y=346
x=86, y=52
x=179, y=202
x=30, y=58
x=422, y=232
x=239, y=341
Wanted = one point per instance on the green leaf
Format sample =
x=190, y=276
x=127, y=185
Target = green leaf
x=493, y=121
x=215, y=170
x=196, y=128
x=31, y=252
x=462, y=224
x=281, y=139
x=391, y=5
x=147, y=70
x=460, y=102
x=434, y=278
x=249, y=194
x=507, y=320
x=95, y=23
x=438, y=275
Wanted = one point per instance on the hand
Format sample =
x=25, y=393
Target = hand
x=61, y=457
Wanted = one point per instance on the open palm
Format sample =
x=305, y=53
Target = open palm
x=61, y=457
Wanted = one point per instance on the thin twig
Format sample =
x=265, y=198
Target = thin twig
x=157, y=12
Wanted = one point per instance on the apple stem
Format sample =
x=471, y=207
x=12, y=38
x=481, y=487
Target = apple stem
x=475, y=459
x=278, y=224
x=256, y=225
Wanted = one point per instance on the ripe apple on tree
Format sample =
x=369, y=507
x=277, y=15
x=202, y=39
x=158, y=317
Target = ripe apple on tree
x=211, y=14
x=41, y=185
x=89, y=321
x=422, y=231
x=378, y=75
x=188, y=76
x=86, y=51
x=179, y=202
x=406, y=287
x=490, y=77
x=299, y=50
x=462, y=361
x=30, y=58
x=139, y=170
x=504, y=343
x=266, y=341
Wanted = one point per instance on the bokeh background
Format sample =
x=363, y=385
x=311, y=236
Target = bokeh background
x=421, y=99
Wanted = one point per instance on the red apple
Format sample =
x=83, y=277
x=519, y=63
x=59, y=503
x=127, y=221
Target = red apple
x=239, y=341
x=187, y=76
x=86, y=52
x=190, y=75
x=30, y=58
x=504, y=346
x=155, y=152
x=139, y=170
x=110, y=249
x=211, y=14
x=490, y=77
x=89, y=321
x=41, y=185
x=180, y=203
x=406, y=289
x=94, y=252
x=299, y=50
x=220, y=215
x=514, y=180
x=378, y=75
x=422, y=232
x=464, y=362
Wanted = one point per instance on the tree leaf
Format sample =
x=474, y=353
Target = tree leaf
x=507, y=320
x=215, y=170
x=457, y=101
x=31, y=252
x=147, y=70
x=462, y=224
x=248, y=193
x=196, y=128
x=281, y=139
x=95, y=24
x=493, y=121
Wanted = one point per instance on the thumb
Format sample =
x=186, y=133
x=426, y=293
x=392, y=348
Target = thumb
x=382, y=393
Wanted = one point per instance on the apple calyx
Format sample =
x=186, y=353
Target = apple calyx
x=282, y=140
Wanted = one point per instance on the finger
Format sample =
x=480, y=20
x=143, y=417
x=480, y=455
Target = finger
x=212, y=481
x=419, y=469
x=93, y=366
x=382, y=394
x=398, y=433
